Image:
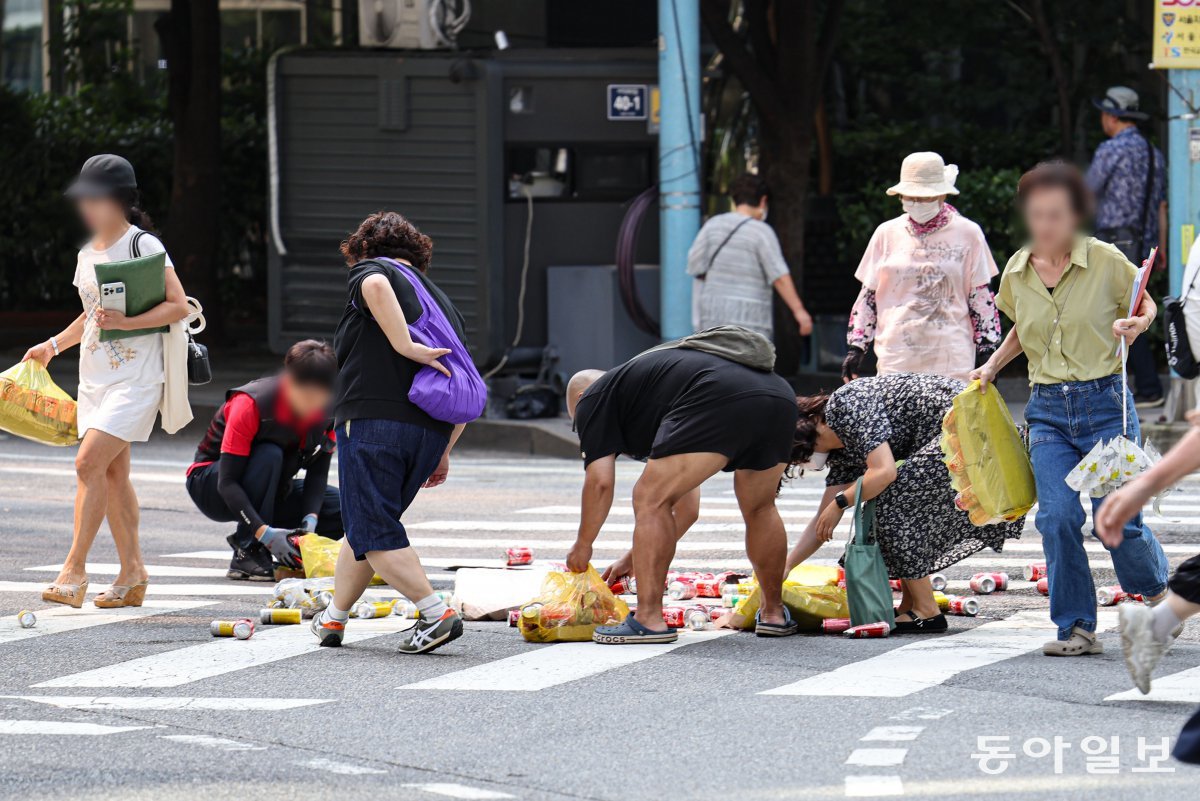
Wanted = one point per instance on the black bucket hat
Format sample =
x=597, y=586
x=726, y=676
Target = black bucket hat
x=1121, y=102
x=102, y=176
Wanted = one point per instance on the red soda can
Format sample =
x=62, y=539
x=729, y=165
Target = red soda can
x=835, y=625
x=957, y=605
x=708, y=588
x=1112, y=595
x=514, y=615
x=1035, y=572
x=895, y=585
x=867, y=631
x=1043, y=586
x=841, y=576
x=715, y=613
x=625, y=585
x=938, y=581
x=681, y=589
x=674, y=616
x=519, y=556
x=987, y=583
x=697, y=617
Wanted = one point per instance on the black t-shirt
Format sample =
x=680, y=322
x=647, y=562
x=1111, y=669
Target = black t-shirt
x=621, y=413
x=374, y=380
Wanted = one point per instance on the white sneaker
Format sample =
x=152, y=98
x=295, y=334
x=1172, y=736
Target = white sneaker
x=1142, y=651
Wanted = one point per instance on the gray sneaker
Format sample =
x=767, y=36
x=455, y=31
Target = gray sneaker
x=425, y=636
x=328, y=631
x=1142, y=651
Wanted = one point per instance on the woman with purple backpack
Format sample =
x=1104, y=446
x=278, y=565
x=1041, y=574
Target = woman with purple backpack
x=406, y=388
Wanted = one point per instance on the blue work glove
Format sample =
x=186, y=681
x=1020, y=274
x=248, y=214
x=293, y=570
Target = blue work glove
x=309, y=523
x=276, y=541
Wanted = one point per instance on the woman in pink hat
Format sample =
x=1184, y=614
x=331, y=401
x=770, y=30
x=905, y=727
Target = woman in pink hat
x=925, y=300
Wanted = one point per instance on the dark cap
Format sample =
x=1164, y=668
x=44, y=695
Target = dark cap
x=103, y=176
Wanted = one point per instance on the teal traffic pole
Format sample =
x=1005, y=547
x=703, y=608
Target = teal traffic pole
x=679, y=160
x=1183, y=164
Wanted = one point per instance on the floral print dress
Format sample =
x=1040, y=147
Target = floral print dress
x=918, y=527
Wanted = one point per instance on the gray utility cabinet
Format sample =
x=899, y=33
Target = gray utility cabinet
x=456, y=142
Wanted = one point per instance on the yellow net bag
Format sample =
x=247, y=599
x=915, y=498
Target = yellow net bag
x=319, y=556
x=989, y=466
x=569, y=608
x=34, y=407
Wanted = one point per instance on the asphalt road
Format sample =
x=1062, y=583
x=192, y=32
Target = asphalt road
x=144, y=703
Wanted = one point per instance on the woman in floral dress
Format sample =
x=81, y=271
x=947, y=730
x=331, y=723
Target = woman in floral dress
x=867, y=428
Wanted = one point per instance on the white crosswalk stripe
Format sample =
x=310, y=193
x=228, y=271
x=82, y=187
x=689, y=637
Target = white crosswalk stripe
x=1175, y=688
x=62, y=619
x=161, y=703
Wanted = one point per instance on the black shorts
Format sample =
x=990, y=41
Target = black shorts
x=755, y=432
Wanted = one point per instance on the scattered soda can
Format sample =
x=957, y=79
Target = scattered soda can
x=242, y=629
x=682, y=590
x=674, y=616
x=835, y=625
x=26, y=619
x=1035, y=572
x=895, y=585
x=730, y=601
x=867, y=631
x=625, y=585
x=708, y=588
x=519, y=556
x=939, y=581
x=1043, y=586
x=987, y=583
x=280, y=616
x=407, y=609
x=370, y=609
x=697, y=618
x=514, y=616
x=941, y=599
x=1113, y=595
x=445, y=595
x=715, y=613
x=958, y=605
x=841, y=575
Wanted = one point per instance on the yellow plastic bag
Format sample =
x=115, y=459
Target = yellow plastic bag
x=570, y=607
x=34, y=407
x=319, y=556
x=988, y=463
x=810, y=593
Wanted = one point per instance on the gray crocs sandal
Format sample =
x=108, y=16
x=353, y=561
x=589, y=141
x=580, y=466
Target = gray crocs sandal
x=1081, y=643
x=630, y=632
x=785, y=629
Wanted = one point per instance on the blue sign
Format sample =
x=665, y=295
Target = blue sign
x=627, y=101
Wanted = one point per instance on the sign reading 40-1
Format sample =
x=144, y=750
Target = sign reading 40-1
x=627, y=101
x=1176, y=34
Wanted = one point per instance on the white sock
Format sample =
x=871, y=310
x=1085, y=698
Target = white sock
x=339, y=615
x=1165, y=621
x=432, y=607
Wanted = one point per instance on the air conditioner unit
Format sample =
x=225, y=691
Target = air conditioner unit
x=403, y=24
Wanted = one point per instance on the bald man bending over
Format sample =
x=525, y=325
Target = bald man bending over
x=689, y=414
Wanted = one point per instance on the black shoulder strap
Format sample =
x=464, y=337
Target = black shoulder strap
x=135, y=251
x=712, y=259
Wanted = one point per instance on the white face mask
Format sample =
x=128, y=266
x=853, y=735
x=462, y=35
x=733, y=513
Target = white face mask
x=815, y=462
x=921, y=211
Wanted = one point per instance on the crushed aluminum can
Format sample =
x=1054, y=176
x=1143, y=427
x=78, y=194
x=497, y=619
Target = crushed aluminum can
x=1043, y=586
x=674, y=616
x=366, y=610
x=715, y=613
x=625, y=585
x=407, y=609
x=867, y=631
x=280, y=617
x=1113, y=595
x=939, y=581
x=835, y=625
x=987, y=583
x=697, y=618
x=26, y=619
x=958, y=605
x=1035, y=572
x=519, y=556
x=682, y=590
x=242, y=629
x=708, y=588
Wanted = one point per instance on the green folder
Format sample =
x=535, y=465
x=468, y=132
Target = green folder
x=145, y=280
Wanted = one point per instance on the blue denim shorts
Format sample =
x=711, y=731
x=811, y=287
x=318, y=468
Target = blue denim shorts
x=381, y=466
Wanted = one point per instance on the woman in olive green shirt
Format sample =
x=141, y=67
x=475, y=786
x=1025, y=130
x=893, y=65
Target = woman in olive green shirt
x=1067, y=296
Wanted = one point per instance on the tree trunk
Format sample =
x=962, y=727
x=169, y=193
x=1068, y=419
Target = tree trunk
x=1058, y=72
x=191, y=35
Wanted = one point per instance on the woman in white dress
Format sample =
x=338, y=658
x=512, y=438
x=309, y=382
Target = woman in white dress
x=120, y=381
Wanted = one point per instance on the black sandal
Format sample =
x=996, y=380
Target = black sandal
x=922, y=625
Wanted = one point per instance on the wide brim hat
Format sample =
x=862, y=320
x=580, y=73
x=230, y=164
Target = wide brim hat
x=925, y=175
x=1121, y=102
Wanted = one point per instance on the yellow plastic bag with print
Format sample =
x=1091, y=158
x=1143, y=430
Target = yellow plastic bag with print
x=319, y=556
x=34, y=407
x=810, y=592
x=569, y=608
x=989, y=466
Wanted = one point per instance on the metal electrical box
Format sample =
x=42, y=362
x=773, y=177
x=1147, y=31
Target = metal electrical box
x=478, y=151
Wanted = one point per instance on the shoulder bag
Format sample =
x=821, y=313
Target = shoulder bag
x=867, y=588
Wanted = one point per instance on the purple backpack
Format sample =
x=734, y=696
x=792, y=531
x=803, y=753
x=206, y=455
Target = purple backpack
x=459, y=398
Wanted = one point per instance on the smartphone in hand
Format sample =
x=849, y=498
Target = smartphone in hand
x=112, y=296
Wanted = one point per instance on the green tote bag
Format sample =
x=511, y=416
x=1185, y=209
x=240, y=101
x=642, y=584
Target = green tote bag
x=867, y=587
x=145, y=280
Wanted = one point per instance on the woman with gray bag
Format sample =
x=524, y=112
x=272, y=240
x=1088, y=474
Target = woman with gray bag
x=862, y=431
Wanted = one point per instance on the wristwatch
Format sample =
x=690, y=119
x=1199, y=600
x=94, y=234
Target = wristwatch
x=840, y=500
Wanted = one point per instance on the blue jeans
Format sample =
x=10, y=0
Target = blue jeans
x=1065, y=422
x=381, y=467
